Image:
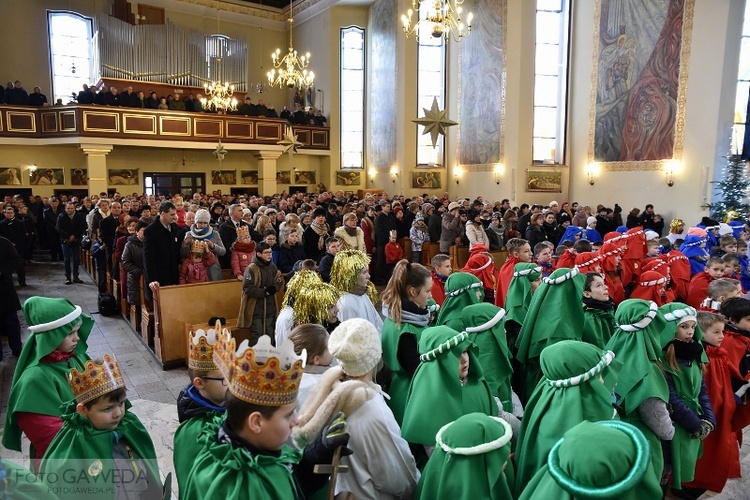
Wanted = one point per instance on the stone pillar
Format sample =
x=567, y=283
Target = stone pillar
x=96, y=162
x=267, y=171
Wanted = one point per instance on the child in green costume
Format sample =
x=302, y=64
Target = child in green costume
x=577, y=386
x=555, y=314
x=485, y=325
x=598, y=311
x=405, y=307
x=461, y=290
x=57, y=344
x=449, y=383
x=603, y=460
x=103, y=450
x=199, y=403
x=470, y=454
x=19, y=483
x=642, y=393
x=689, y=403
x=246, y=455
x=527, y=276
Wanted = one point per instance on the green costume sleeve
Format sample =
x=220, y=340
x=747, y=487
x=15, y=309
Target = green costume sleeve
x=399, y=387
x=187, y=444
x=80, y=463
x=223, y=472
x=21, y=484
x=519, y=295
x=685, y=450
x=598, y=326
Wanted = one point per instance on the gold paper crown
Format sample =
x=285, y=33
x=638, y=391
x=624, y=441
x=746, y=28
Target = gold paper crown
x=201, y=355
x=262, y=375
x=198, y=247
x=300, y=281
x=243, y=232
x=311, y=304
x=96, y=380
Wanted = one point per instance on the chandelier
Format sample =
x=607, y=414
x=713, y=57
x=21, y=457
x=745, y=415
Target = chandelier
x=291, y=68
x=219, y=97
x=442, y=19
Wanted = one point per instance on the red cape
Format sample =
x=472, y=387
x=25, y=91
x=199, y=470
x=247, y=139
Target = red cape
x=567, y=259
x=698, y=289
x=481, y=265
x=721, y=451
x=438, y=289
x=679, y=269
x=503, y=279
x=737, y=346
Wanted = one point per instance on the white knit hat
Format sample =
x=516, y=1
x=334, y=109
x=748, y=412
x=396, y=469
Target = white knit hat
x=590, y=220
x=355, y=343
x=202, y=215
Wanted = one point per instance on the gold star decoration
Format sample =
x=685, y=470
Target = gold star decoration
x=220, y=152
x=290, y=142
x=435, y=121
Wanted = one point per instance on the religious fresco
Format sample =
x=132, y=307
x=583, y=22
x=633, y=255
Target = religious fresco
x=224, y=177
x=249, y=177
x=425, y=180
x=10, y=176
x=48, y=176
x=482, y=74
x=383, y=29
x=543, y=181
x=348, y=178
x=79, y=176
x=638, y=82
x=283, y=177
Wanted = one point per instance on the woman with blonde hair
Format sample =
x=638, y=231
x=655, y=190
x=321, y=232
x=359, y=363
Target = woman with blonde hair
x=291, y=221
x=261, y=224
x=351, y=236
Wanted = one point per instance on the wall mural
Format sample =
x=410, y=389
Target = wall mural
x=482, y=74
x=383, y=27
x=639, y=76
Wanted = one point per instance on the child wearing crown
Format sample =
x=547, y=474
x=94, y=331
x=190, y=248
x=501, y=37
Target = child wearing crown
x=243, y=250
x=200, y=402
x=102, y=450
x=246, y=455
x=194, y=269
x=56, y=344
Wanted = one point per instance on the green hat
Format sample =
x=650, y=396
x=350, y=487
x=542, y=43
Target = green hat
x=616, y=470
x=468, y=459
x=461, y=290
x=569, y=393
x=636, y=339
x=436, y=395
x=675, y=313
x=518, y=298
x=485, y=324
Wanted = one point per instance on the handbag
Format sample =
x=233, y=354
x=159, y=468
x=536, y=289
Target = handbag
x=86, y=242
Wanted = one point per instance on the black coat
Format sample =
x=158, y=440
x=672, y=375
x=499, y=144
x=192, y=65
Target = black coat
x=132, y=262
x=71, y=227
x=9, y=262
x=384, y=224
x=228, y=233
x=161, y=254
x=15, y=230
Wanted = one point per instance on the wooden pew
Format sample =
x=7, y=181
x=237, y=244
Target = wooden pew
x=460, y=255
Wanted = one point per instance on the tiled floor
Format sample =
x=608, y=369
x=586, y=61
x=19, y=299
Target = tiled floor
x=153, y=391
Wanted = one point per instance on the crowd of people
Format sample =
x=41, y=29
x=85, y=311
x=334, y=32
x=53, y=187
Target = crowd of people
x=15, y=94
x=601, y=359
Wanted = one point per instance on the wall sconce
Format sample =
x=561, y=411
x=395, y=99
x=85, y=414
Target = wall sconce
x=669, y=169
x=498, y=172
x=372, y=176
x=457, y=173
x=394, y=173
x=591, y=171
x=32, y=170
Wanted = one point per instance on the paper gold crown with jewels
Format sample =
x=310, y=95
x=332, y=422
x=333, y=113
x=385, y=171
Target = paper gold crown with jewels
x=198, y=247
x=96, y=380
x=262, y=375
x=201, y=349
x=243, y=232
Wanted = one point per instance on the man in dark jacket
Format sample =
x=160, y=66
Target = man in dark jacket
x=9, y=303
x=228, y=233
x=71, y=225
x=50, y=215
x=384, y=224
x=314, y=237
x=326, y=262
x=14, y=229
x=161, y=250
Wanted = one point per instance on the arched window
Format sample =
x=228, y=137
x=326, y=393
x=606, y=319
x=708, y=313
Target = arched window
x=70, y=51
x=743, y=86
x=352, y=97
x=430, y=85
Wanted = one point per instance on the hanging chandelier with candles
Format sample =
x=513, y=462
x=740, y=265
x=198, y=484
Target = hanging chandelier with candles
x=219, y=97
x=292, y=68
x=442, y=19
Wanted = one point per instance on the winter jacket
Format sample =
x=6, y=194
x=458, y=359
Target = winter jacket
x=680, y=413
x=241, y=258
x=451, y=229
x=418, y=238
x=196, y=272
x=132, y=262
x=289, y=255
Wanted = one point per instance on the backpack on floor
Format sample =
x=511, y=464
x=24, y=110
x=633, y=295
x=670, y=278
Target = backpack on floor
x=107, y=304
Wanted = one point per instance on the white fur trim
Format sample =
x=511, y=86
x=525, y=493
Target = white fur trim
x=480, y=448
x=653, y=282
x=578, y=379
x=556, y=281
x=526, y=272
x=486, y=326
x=644, y=322
x=45, y=327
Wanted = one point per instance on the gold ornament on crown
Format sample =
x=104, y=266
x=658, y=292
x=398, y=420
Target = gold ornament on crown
x=201, y=349
x=198, y=247
x=96, y=380
x=261, y=375
x=312, y=303
x=243, y=232
x=299, y=281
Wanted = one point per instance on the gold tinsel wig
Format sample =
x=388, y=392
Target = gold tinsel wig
x=311, y=304
x=675, y=225
x=299, y=281
x=345, y=270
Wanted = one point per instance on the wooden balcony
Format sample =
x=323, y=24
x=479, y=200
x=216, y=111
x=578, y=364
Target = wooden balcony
x=147, y=124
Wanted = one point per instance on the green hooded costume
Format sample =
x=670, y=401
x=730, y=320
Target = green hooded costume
x=411, y=324
x=636, y=343
x=570, y=393
x=436, y=395
x=461, y=290
x=486, y=328
x=518, y=298
x=467, y=461
x=687, y=384
x=88, y=454
x=598, y=322
x=555, y=314
x=42, y=387
x=603, y=460
x=21, y=484
x=225, y=472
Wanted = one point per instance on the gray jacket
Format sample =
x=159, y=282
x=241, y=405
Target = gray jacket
x=451, y=229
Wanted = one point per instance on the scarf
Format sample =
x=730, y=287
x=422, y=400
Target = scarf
x=359, y=290
x=57, y=356
x=322, y=231
x=600, y=305
x=688, y=351
x=201, y=234
x=244, y=247
x=351, y=231
x=411, y=313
